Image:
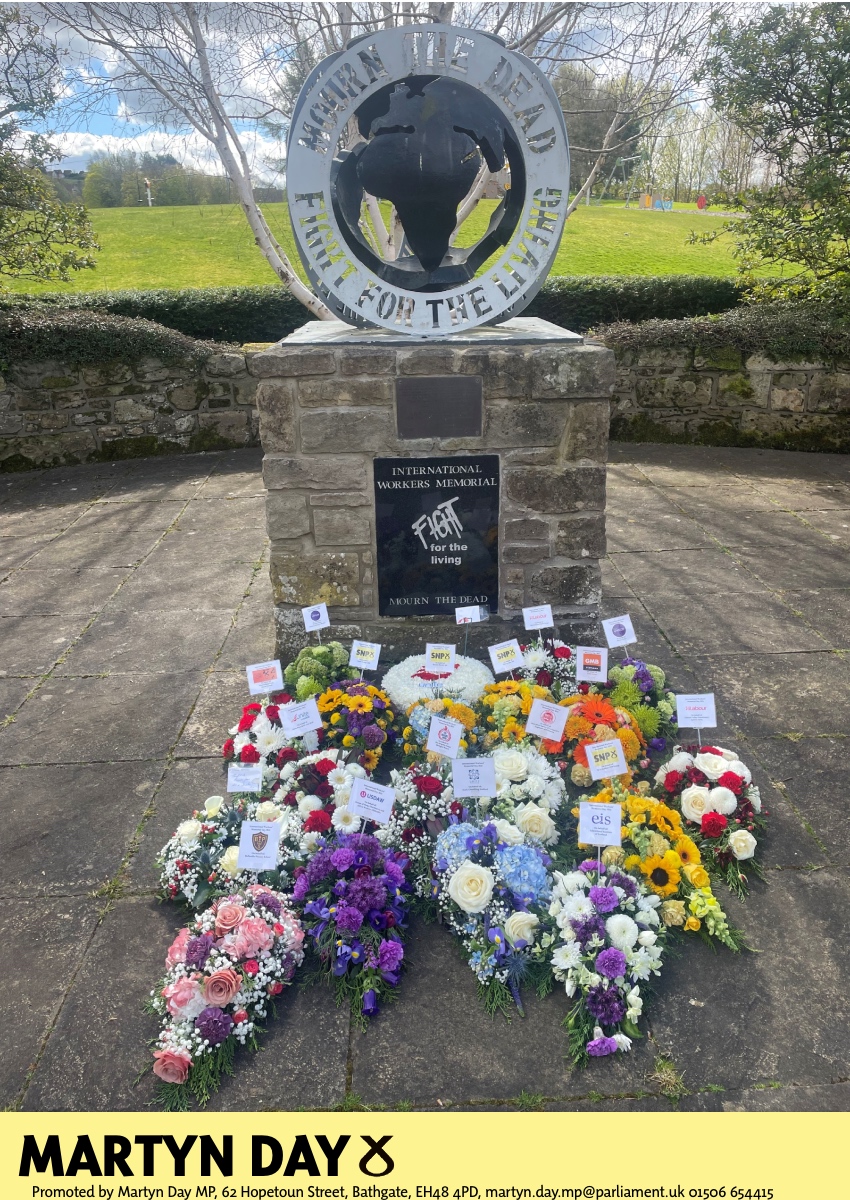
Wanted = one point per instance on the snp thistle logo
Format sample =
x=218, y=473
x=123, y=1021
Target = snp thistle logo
x=442, y=523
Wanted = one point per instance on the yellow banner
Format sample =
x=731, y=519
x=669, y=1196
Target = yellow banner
x=423, y=1156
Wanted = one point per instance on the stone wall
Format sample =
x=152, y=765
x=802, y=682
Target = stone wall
x=327, y=411
x=684, y=393
x=51, y=413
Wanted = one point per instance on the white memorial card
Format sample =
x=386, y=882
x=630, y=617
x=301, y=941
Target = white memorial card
x=258, y=842
x=506, y=656
x=365, y=655
x=315, y=616
x=470, y=615
x=444, y=736
x=372, y=801
x=474, y=777
x=298, y=719
x=539, y=616
x=697, y=711
x=606, y=759
x=264, y=677
x=440, y=657
x=591, y=664
x=547, y=720
x=600, y=824
x=619, y=631
x=245, y=779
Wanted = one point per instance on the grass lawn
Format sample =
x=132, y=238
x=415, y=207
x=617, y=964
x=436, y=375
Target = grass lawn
x=213, y=246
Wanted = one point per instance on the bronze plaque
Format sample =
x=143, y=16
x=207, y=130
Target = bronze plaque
x=439, y=406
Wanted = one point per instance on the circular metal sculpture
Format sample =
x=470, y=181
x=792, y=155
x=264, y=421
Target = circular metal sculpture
x=411, y=120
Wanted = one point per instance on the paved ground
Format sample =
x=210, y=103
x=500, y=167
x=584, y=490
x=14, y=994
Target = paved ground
x=131, y=598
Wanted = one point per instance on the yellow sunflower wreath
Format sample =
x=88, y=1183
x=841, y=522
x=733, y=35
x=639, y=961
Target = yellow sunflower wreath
x=656, y=849
x=358, y=717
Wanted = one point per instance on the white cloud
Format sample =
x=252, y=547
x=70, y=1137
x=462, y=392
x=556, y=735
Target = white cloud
x=191, y=150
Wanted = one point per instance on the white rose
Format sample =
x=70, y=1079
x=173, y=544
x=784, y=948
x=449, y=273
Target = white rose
x=723, y=800
x=729, y=755
x=754, y=797
x=647, y=938
x=267, y=811
x=307, y=805
x=471, y=887
x=739, y=769
x=511, y=764
x=711, y=765
x=228, y=861
x=356, y=770
x=695, y=802
x=534, y=787
x=536, y=823
x=520, y=927
x=188, y=831
x=742, y=844
x=212, y=805
x=508, y=832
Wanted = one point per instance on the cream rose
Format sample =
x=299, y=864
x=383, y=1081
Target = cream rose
x=508, y=832
x=520, y=927
x=267, y=811
x=471, y=887
x=723, y=800
x=212, y=805
x=711, y=765
x=188, y=831
x=229, y=860
x=536, y=823
x=742, y=844
x=695, y=802
x=511, y=764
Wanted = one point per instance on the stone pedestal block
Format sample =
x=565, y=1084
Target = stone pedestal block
x=327, y=407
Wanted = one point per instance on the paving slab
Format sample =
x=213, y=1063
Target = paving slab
x=686, y=572
x=834, y=522
x=186, y=785
x=805, y=693
x=736, y=527
x=87, y=548
x=58, y=837
x=832, y=1097
x=44, y=942
x=630, y=528
x=800, y=495
x=168, y=581
x=826, y=609
x=130, y=516
x=731, y=496
x=813, y=775
x=150, y=642
x=61, y=590
x=31, y=645
x=252, y=638
x=750, y=1028
x=12, y=694
x=15, y=551
x=700, y=625
x=27, y=520
x=810, y=561
x=100, y=719
x=613, y=584
x=218, y=708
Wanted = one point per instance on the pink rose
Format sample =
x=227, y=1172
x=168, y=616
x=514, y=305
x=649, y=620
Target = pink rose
x=222, y=986
x=171, y=1066
x=177, y=950
x=183, y=999
x=228, y=916
x=251, y=938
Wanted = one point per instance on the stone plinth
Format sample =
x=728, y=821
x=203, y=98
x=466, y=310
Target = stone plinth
x=326, y=402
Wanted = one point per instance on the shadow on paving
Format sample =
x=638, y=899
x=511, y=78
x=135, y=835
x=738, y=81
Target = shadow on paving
x=131, y=598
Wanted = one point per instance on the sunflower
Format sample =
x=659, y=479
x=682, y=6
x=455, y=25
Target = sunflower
x=663, y=872
x=359, y=704
x=668, y=821
x=599, y=711
x=329, y=700
x=371, y=758
x=687, y=851
x=462, y=713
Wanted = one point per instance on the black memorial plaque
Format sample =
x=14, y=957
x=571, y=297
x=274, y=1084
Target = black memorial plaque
x=437, y=525
x=439, y=406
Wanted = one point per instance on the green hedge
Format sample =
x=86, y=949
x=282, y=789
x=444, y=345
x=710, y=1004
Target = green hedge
x=781, y=332
x=261, y=314
x=89, y=338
